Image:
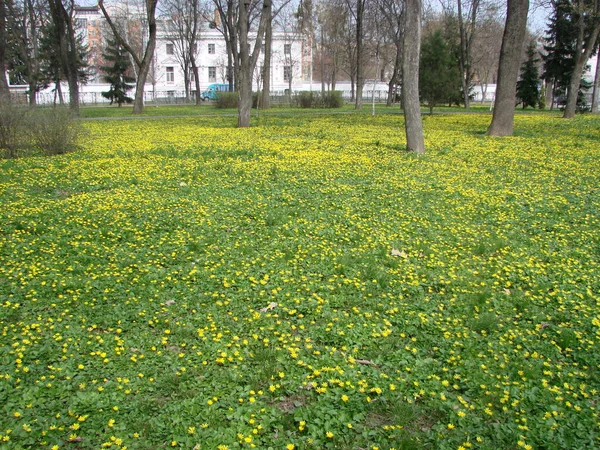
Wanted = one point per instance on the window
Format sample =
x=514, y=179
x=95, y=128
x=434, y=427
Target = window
x=170, y=49
x=170, y=75
x=287, y=49
x=211, y=49
x=212, y=74
x=287, y=73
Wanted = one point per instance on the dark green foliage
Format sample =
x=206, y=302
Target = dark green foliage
x=439, y=78
x=560, y=49
x=528, y=90
x=225, y=100
x=308, y=99
x=116, y=74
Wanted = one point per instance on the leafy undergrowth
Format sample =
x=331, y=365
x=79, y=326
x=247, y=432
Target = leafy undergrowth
x=303, y=284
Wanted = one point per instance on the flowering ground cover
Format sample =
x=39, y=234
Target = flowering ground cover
x=303, y=284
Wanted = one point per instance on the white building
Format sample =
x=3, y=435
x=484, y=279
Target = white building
x=291, y=58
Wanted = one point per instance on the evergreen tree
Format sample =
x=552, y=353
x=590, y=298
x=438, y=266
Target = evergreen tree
x=528, y=91
x=439, y=78
x=560, y=52
x=116, y=74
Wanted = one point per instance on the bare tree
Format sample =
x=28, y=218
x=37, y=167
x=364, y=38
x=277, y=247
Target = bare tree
x=248, y=57
x=410, y=75
x=26, y=19
x=486, y=52
x=63, y=22
x=392, y=12
x=588, y=27
x=287, y=22
x=183, y=29
x=227, y=11
x=508, y=70
x=142, y=61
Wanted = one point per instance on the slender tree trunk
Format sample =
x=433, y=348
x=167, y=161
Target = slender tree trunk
x=596, y=91
x=322, y=63
x=550, y=86
x=4, y=90
x=196, y=73
x=266, y=75
x=360, y=78
x=410, y=77
x=394, y=77
x=508, y=69
x=67, y=41
x=32, y=93
x=584, y=49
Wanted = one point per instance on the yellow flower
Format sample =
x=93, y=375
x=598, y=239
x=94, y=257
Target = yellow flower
x=290, y=447
x=329, y=434
x=345, y=398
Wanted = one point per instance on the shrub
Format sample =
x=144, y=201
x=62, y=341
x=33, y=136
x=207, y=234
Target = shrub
x=226, y=100
x=54, y=131
x=307, y=99
x=333, y=99
x=14, y=136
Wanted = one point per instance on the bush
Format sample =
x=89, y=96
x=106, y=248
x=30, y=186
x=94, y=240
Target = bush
x=54, y=131
x=309, y=99
x=14, y=128
x=226, y=100
x=333, y=99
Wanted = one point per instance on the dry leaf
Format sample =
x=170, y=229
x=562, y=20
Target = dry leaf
x=269, y=307
x=396, y=252
x=507, y=291
x=170, y=302
x=366, y=362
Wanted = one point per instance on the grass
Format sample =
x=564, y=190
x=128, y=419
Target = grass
x=181, y=283
x=208, y=109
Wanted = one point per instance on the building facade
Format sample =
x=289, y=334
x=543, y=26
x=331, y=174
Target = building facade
x=290, y=60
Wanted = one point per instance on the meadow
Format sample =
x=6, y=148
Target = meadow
x=303, y=284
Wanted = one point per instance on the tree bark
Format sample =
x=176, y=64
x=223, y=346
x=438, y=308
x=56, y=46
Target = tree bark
x=584, y=49
x=360, y=76
x=410, y=77
x=4, y=91
x=247, y=61
x=508, y=69
x=266, y=75
x=596, y=91
x=67, y=41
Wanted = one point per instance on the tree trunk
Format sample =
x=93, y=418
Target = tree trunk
x=32, y=93
x=67, y=42
x=247, y=61
x=195, y=70
x=584, y=49
x=360, y=78
x=550, y=85
x=508, y=68
x=4, y=91
x=393, y=78
x=266, y=75
x=410, y=77
x=596, y=91
x=322, y=63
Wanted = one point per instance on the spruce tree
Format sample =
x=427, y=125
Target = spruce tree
x=528, y=91
x=439, y=78
x=560, y=52
x=116, y=74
